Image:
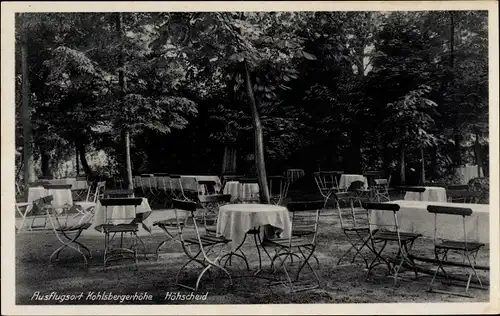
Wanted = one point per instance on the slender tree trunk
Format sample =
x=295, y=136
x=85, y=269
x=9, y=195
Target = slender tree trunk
x=422, y=157
x=123, y=85
x=29, y=166
x=45, y=162
x=259, y=140
x=354, y=157
x=458, y=136
x=402, y=171
x=77, y=161
x=478, y=155
x=83, y=159
x=229, y=160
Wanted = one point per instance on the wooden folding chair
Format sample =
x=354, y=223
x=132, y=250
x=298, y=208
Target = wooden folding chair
x=303, y=241
x=65, y=232
x=468, y=249
x=205, y=244
x=379, y=238
x=130, y=227
x=463, y=196
x=177, y=191
x=278, y=194
x=327, y=182
x=357, y=230
x=381, y=190
x=362, y=194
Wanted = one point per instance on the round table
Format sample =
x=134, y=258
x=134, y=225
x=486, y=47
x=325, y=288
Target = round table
x=347, y=179
x=235, y=220
x=241, y=191
x=432, y=194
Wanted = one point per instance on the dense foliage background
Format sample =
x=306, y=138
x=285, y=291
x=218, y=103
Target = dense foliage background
x=348, y=91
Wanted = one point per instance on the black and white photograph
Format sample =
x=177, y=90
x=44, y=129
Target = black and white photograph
x=244, y=156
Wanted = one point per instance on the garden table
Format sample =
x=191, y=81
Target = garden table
x=235, y=220
x=62, y=197
x=347, y=179
x=432, y=194
x=120, y=214
x=413, y=217
x=241, y=191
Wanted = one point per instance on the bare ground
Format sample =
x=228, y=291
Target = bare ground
x=345, y=283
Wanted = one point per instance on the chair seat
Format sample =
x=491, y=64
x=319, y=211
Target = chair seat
x=172, y=222
x=393, y=236
x=285, y=242
x=302, y=232
x=70, y=228
x=459, y=245
x=207, y=240
x=125, y=228
x=356, y=229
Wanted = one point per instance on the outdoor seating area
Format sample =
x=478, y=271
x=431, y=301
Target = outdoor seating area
x=267, y=157
x=200, y=234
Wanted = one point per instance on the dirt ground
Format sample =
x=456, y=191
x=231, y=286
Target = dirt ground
x=344, y=283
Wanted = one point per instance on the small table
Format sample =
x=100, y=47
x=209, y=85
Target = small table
x=122, y=214
x=241, y=191
x=433, y=194
x=347, y=179
x=235, y=220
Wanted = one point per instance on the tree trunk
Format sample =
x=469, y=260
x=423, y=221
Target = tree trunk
x=123, y=86
x=458, y=136
x=29, y=166
x=128, y=162
x=77, y=161
x=229, y=161
x=83, y=159
x=353, y=159
x=259, y=140
x=422, y=179
x=402, y=171
x=45, y=162
x=477, y=151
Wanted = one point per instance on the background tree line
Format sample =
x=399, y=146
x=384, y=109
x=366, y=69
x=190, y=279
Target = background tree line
x=253, y=92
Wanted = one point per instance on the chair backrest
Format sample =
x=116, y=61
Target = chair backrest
x=99, y=191
x=81, y=178
x=348, y=216
x=189, y=184
x=465, y=196
x=248, y=180
x=411, y=189
x=57, y=186
x=118, y=193
x=39, y=183
x=45, y=177
x=123, y=201
x=384, y=207
x=457, y=187
x=305, y=223
x=206, y=187
x=372, y=175
x=327, y=179
x=449, y=210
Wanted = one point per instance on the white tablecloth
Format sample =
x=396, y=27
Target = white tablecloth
x=235, y=220
x=121, y=214
x=62, y=197
x=75, y=185
x=241, y=191
x=434, y=194
x=346, y=180
x=468, y=172
x=413, y=217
